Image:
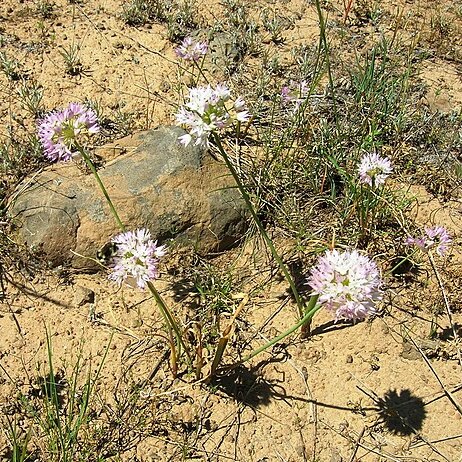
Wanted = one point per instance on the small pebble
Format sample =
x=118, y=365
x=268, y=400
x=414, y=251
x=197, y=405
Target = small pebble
x=83, y=296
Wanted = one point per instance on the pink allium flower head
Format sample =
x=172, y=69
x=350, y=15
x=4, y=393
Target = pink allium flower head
x=189, y=50
x=374, y=170
x=348, y=284
x=436, y=237
x=136, y=256
x=208, y=110
x=60, y=130
x=295, y=94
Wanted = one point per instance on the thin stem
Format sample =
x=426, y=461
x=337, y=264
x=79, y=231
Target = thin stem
x=308, y=316
x=446, y=305
x=260, y=227
x=101, y=185
x=323, y=39
x=168, y=317
x=200, y=71
x=306, y=327
x=404, y=260
x=170, y=320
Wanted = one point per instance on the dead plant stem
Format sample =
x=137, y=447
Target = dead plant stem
x=446, y=305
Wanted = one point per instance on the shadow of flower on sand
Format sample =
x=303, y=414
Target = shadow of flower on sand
x=245, y=385
x=401, y=412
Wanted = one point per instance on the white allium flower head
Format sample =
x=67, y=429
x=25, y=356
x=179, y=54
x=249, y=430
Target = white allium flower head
x=348, y=284
x=60, y=130
x=435, y=237
x=136, y=256
x=242, y=112
x=295, y=94
x=222, y=92
x=206, y=111
x=374, y=170
x=190, y=50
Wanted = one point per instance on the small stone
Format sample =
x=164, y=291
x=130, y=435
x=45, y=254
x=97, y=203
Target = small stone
x=19, y=342
x=83, y=296
x=349, y=359
x=409, y=352
x=335, y=456
x=136, y=323
x=300, y=450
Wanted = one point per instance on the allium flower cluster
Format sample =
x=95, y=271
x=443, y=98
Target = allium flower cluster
x=295, y=94
x=136, y=256
x=189, y=50
x=374, y=170
x=348, y=284
x=209, y=109
x=60, y=130
x=436, y=237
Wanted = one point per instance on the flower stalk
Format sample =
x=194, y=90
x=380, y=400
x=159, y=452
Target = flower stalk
x=169, y=319
x=136, y=254
x=306, y=319
x=260, y=226
x=93, y=170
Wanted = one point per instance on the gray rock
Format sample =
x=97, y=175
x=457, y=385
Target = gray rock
x=83, y=296
x=153, y=181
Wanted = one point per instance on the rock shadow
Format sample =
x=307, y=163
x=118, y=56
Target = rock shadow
x=182, y=288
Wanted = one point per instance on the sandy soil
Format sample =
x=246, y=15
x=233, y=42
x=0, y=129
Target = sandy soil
x=341, y=395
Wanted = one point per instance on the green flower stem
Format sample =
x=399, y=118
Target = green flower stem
x=323, y=41
x=260, y=227
x=364, y=202
x=201, y=72
x=310, y=307
x=404, y=260
x=101, y=185
x=169, y=318
x=306, y=318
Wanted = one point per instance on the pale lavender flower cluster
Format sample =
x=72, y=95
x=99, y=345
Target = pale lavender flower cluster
x=60, y=130
x=207, y=110
x=136, y=257
x=348, y=284
x=189, y=50
x=295, y=94
x=436, y=237
x=374, y=170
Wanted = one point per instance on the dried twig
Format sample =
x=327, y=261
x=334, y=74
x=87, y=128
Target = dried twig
x=447, y=306
x=446, y=391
